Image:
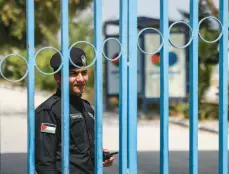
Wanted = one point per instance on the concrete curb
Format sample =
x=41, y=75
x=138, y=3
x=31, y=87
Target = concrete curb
x=185, y=124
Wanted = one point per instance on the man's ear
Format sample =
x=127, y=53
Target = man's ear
x=57, y=78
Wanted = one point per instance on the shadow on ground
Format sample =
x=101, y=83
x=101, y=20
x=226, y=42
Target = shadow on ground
x=148, y=163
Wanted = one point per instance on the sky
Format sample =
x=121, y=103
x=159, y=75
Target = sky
x=147, y=8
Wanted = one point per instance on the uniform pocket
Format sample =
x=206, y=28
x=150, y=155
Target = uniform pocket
x=77, y=129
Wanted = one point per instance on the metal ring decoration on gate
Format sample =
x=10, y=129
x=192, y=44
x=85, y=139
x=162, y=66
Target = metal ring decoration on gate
x=120, y=45
x=154, y=29
x=52, y=49
x=221, y=26
x=190, y=39
x=79, y=43
x=5, y=59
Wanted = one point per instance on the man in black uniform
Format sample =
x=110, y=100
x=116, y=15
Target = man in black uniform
x=48, y=123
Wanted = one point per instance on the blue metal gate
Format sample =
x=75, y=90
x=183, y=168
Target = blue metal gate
x=128, y=93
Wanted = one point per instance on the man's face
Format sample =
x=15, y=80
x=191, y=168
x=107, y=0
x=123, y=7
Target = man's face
x=77, y=80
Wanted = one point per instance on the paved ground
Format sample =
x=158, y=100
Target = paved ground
x=13, y=147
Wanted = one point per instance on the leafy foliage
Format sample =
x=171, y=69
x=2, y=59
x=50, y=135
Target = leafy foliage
x=47, y=29
x=47, y=18
x=208, y=58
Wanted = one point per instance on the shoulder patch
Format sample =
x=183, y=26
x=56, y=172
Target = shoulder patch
x=48, y=128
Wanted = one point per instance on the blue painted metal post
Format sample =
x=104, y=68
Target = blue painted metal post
x=65, y=88
x=123, y=88
x=98, y=86
x=132, y=85
x=223, y=90
x=30, y=86
x=193, y=112
x=164, y=98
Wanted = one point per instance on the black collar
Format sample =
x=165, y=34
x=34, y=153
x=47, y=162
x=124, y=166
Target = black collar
x=74, y=100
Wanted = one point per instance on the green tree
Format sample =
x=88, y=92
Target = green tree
x=208, y=56
x=47, y=19
x=47, y=31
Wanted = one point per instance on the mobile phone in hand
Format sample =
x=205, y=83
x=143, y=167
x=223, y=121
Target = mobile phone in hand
x=107, y=155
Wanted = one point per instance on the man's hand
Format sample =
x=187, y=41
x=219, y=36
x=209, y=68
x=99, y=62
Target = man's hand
x=108, y=162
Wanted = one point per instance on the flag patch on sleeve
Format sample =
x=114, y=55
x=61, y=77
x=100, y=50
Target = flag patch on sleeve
x=48, y=128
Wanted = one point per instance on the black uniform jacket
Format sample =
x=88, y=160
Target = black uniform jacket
x=48, y=136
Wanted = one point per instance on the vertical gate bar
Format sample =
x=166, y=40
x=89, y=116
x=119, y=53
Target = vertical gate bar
x=164, y=98
x=98, y=86
x=65, y=87
x=133, y=79
x=193, y=112
x=223, y=90
x=30, y=86
x=123, y=88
